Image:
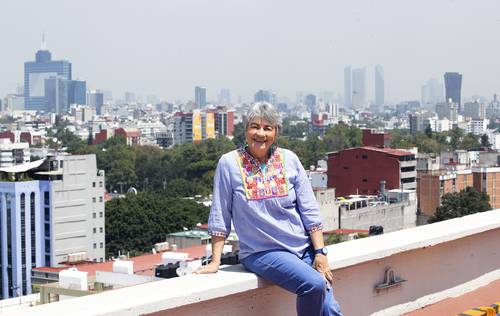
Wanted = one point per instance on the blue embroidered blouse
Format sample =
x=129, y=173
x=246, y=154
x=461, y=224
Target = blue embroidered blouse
x=272, y=205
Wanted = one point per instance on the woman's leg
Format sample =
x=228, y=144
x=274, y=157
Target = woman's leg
x=293, y=274
x=330, y=304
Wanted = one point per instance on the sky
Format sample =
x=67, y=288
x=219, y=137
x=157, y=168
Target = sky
x=166, y=47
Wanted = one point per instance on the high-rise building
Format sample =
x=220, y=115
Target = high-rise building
x=95, y=98
x=359, y=88
x=453, y=87
x=35, y=75
x=198, y=125
x=60, y=93
x=225, y=97
x=432, y=92
x=379, y=86
x=44, y=221
x=447, y=110
x=310, y=101
x=265, y=96
x=200, y=97
x=475, y=110
x=348, y=87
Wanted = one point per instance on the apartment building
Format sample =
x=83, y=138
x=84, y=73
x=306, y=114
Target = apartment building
x=50, y=210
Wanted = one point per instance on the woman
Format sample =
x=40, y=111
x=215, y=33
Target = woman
x=265, y=191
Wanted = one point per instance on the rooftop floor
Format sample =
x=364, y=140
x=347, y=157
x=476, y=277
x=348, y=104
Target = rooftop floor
x=483, y=296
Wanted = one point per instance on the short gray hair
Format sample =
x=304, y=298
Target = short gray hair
x=263, y=110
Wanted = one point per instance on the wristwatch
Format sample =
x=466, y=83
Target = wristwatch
x=323, y=251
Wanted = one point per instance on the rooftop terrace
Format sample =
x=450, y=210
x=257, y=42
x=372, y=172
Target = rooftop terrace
x=437, y=263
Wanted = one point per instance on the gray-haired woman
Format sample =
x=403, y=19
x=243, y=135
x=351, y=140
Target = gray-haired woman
x=265, y=191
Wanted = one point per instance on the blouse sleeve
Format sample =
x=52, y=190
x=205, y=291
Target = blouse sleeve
x=219, y=220
x=306, y=201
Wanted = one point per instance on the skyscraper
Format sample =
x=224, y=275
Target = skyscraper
x=432, y=93
x=60, y=93
x=359, y=88
x=200, y=97
x=310, y=101
x=225, y=97
x=347, y=87
x=35, y=73
x=453, y=87
x=379, y=86
x=95, y=98
x=265, y=96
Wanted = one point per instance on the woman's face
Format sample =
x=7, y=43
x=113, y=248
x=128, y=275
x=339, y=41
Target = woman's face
x=260, y=135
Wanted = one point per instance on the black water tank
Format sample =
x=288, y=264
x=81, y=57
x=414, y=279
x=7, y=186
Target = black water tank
x=375, y=230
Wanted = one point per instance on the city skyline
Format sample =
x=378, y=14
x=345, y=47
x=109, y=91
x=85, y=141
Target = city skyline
x=167, y=49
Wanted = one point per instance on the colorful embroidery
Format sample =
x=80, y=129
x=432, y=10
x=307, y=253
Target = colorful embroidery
x=263, y=184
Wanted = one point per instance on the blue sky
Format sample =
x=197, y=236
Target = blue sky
x=168, y=47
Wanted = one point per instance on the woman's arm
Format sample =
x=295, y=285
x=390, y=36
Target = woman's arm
x=212, y=267
x=320, y=260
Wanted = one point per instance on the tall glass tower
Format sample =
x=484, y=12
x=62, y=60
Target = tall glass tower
x=453, y=87
x=35, y=74
x=379, y=86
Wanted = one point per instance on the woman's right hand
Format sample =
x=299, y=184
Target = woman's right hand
x=212, y=267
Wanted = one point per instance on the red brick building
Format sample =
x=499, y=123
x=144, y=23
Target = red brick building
x=374, y=138
x=431, y=186
x=133, y=135
x=360, y=170
x=486, y=180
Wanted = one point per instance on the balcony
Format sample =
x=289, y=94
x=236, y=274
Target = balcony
x=437, y=261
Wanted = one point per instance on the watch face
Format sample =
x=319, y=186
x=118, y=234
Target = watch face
x=324, y=251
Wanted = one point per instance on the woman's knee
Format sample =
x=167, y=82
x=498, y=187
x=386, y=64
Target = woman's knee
x=314, y=285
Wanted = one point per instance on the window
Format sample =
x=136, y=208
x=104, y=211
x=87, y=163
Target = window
x=101, y=229
x=94, y=245
x=46, y=197
x=93, y=200
x=100, y=199
x=100, y=184
x=408, y=169
x=346, y=168
x=101, y=214
x=93, y=184
x=47, y=214
x=94, y=215
x=101, y=245
x=101, y=259
x=364, y=156
x=94, y=230
x=365, y=180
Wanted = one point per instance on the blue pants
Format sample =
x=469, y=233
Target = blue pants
x=314, y=293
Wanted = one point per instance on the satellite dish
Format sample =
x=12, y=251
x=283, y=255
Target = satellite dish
x=132, y=190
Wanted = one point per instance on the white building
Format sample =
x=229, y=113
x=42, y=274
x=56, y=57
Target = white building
x=13, y=153
x=50, y=210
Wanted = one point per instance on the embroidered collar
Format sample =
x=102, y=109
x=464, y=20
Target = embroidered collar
x=263, y=183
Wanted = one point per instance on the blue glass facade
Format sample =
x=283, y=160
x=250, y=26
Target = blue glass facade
x=24, y=229
x=35, y=74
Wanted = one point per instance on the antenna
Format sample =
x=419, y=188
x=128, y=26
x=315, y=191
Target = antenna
x=44, y=45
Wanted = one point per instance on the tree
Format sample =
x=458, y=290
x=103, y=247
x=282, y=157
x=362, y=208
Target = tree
x=466, y=202
x=135, y=223
x=485, y=141
x=456, y=135
x=428, y=131
x=342, y=136
x=470, y=141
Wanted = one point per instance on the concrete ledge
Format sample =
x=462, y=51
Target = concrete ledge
x=422, y=255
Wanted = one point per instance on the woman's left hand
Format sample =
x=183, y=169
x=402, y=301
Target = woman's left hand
x=321, y=264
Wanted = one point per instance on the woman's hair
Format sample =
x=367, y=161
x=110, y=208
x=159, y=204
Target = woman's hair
x=263, y=110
